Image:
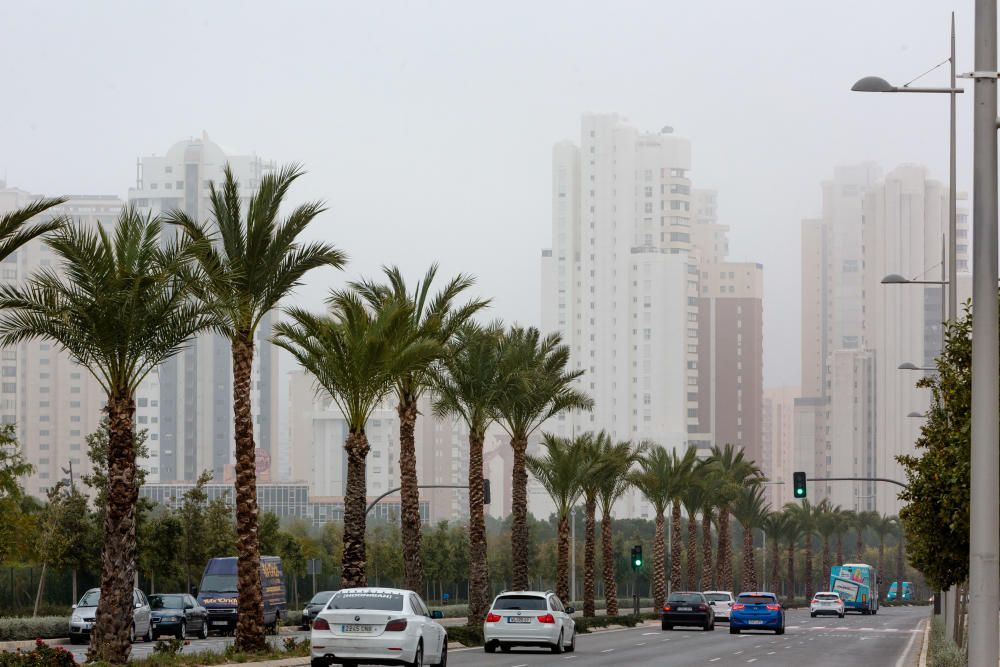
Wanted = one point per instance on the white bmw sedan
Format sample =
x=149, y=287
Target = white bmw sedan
x=529, y=618
x=381, y=626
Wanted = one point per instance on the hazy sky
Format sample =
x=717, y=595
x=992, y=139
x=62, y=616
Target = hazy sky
x=427, y=126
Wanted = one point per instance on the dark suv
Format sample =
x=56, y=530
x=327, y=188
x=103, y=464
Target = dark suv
x=687, y=608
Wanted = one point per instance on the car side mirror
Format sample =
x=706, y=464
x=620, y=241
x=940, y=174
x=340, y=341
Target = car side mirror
x=138, y=605
x=437, y=613
x=570, y=610
x=73, y=607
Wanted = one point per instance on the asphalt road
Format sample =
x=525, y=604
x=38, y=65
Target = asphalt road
x=890, y=639
x=214, y=644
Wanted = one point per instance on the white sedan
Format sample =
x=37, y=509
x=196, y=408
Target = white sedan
x=381, y=626
x=722, y=603
x=827, y=602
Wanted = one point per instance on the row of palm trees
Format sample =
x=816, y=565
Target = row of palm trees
x=720, y=488
x=128, y=298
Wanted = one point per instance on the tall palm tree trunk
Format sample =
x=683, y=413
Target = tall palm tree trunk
x=826, y=556
x=562, y=559
x=409, y=494
x=775, y=563
x=675, y=548
x=790, y=572
x=588, y=559
x=250, y=618
x=724, y=567
x=840, y=548
x=659, y=583
x=859, y=546
x=478, y=572
x=353, y=562
x=692, y=554
x=110, y=638
x=808, y=567
x=881, y=556
x=610, y=585
x=707, y=573
x=749, y=562
x=519, y=516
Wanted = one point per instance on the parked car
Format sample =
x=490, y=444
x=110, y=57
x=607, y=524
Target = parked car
x=178, y=614
x=382, y=626
x=757, y=611
x=84, y=611
x=529, y=618
x=722, y=602
x=219, y=593
x=687, y=608
x=314, y=607
x=826, y=602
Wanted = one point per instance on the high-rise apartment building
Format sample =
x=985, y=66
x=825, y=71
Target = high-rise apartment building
x=195, y=387
x=54, y=402
x=778, y=442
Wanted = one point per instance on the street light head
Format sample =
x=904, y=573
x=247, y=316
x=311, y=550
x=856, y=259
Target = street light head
x=894, y=279
x=908, y=366
x=873, y=84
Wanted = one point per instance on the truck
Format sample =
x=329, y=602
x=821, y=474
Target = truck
x=857, y=584
x=219, y=593
x=907, y=595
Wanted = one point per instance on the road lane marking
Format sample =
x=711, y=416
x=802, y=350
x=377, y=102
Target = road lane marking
x=738, y=652
x=607, y=650
x=770, y=652
x=646, y=634
x=752, y=660
x=640, y=643
x=909, y=645
x=714, y=659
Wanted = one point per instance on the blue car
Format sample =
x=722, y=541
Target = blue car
x=757, y=611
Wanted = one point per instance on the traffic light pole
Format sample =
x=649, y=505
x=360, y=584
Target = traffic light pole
x=856, y=479
x=373, y=503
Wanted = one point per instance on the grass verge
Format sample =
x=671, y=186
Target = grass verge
x=943, y=651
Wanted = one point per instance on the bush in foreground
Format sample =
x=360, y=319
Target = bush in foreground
x=41, y=627
x=42, y=655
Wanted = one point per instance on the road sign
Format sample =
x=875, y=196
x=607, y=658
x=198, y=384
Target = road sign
x=314, y=566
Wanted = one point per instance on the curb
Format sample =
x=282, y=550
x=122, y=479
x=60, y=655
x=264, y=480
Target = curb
x=30, y=643
x=925, y=645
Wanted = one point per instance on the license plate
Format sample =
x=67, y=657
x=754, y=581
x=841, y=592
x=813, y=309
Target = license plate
x=683, y=608
x=519, y=619
x=219, y=623
x=355, y=628
x=756, y=622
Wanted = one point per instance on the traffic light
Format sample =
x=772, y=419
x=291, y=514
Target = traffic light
x=486, y=491
x=636, y=556
x=799, y=484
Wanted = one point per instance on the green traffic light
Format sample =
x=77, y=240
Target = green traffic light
x=638, y=562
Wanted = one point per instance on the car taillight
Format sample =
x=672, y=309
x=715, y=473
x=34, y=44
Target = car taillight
x=321, y=624
x=492, y=618
x=666, y=607
x=700, y=607
x=774, y=607
x=813, y=602
x=739, y=605
x=396, y=625
x=546, y=618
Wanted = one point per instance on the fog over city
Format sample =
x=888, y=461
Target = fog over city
x=428, y=127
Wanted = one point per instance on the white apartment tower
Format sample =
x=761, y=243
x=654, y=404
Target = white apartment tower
x=195, y=387
x=618, y=283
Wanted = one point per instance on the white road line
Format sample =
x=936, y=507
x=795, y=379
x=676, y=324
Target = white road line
x=607, y=650
x=640, y=643
x=646, y=634
x=752, y=660
x=909, y=645
x=738, y=652
x=524, y=665
x=770, y=652
x=714, y=659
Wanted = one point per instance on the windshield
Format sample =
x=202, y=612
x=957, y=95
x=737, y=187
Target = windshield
x=520, y=602
x=322, y=598
x=687, y=598
x=367, y=600
x=827, y=596
x=90, y=599
x=757, y=599
x=718, y=597
x=219, y=583
x=166, y=602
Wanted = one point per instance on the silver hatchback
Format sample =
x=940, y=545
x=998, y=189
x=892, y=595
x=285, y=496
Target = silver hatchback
x=84, y=612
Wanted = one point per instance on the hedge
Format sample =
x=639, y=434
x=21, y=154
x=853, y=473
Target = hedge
x=41, y=627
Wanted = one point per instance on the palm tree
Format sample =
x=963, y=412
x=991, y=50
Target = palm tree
x=693, y=501
x=793, y=531
x=826, y=525
x=613, y=480
x=354, y=355
x=120, y=306
x=804, y=516
x=655, y=479
x=559, y=471
x=845, y=519
x=682, y=471
x=774, y=526
x=706, y=479
x=862, y=521
x=732, y=472
x=14, y=229
x=591, y=446
x=436, y=319
x=750, y=509
x=883, y=527
x=468, y=385
x=541, y=386
x=250, y=261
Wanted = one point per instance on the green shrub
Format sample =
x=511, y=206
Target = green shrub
x=42, y=655
x=942, y=651
x=170, y=646
x=465, y=635
x=292, y=618
x=41, y=627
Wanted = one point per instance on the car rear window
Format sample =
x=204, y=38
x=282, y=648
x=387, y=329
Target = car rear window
x=827, y=596
x=687, y=598
x=520, y=602
x=757, y=599
x=717, y=597
x=367, y=600
x=321, y=598
x=166, y=601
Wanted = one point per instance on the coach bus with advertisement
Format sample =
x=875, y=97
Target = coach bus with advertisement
x=857, y=584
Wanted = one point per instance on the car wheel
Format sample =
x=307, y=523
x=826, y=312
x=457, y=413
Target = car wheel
x=734, y=631
x=558, y=646
x=711, y=626
x=840, y=615
x=666, y=626
x=418, y=657
x=780, y=630
x=572, y=644
x=182, y=632
x=203, y=633
x=490, y=647
x=505, y=648
x=443, y=662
